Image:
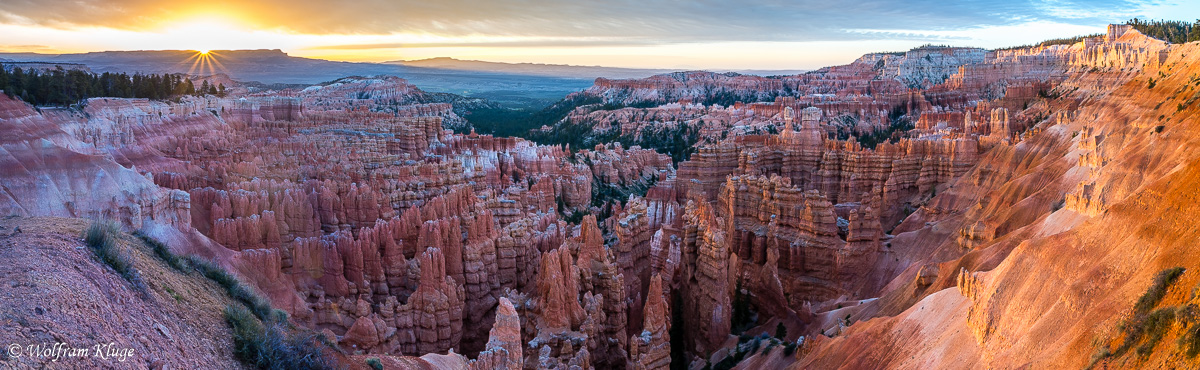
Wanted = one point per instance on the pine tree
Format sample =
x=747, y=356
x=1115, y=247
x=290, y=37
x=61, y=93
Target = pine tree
x=64, y=87
x=1195, y=34
x=4, y=81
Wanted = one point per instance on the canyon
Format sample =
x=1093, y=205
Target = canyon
x=939, y=208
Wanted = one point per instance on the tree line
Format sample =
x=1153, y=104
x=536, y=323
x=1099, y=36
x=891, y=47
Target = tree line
x=65, y=87
x=1175, y=32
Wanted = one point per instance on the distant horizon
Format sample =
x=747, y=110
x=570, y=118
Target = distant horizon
x=217, y=51
x=756, y=35
x=518, y=60
x=665, y=70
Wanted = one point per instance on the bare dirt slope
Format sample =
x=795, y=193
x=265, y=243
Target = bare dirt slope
x=54, y=290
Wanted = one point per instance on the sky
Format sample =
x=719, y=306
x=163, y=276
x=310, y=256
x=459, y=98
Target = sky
x=675, y=34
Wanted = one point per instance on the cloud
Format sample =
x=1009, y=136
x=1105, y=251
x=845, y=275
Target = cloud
x=11, y=48
x=908, y=35
x=612, y=20
x=493, y=44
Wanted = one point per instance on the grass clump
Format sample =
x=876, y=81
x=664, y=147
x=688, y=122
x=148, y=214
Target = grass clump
x=1158, y=290
x=1189, y=340
x=272, y=345
x=1154, y=327
x=102, y=238
x=1148, y=327
x=236, y=289
x=374, y=363
x=163, y=252
x=173, y=294
x=262, y=336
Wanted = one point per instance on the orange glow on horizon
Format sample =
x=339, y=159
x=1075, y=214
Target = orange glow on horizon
x=208, y=29
x=206, y=33
x=204, y=63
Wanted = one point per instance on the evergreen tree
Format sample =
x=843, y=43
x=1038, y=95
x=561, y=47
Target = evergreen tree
x=4, y=81
x=1175, y=32
x=64, y=87
x=16, y=82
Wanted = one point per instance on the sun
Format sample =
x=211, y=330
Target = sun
x=204, y=34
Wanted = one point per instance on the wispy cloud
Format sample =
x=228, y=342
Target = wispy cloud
x=24, y=48
x=660, y=20
x=909, y=35
x=492, y=44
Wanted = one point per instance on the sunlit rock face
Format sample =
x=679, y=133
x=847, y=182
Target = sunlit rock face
x=940, y=190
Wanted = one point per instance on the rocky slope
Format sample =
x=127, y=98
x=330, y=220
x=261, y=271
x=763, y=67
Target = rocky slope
x=56, y=291
x=1059, y=286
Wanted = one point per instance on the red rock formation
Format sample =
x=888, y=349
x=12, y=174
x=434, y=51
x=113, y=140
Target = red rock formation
x=433, y=315
x=504, y=341
x=558, y=293
x=46, y=172
x=605, y=298
x=707, y=279
x=651, y=349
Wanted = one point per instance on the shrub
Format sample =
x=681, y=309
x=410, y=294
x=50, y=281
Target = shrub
x=789, y=349
x=1190, y=339
x=1155, y=293
x=780, y=331
x=1101, y=353
x=754, y=345
x=769, y=346
x=1154, y=327
x=728, y=363
x=270, y=346
x=1144, y=324
x=238, y=291
x=247, y=332
x=374, y=363
x=163, y=252
x=743, y=315
x=101, y=238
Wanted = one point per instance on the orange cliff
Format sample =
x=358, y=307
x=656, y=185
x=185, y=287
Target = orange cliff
x=1054, y=252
